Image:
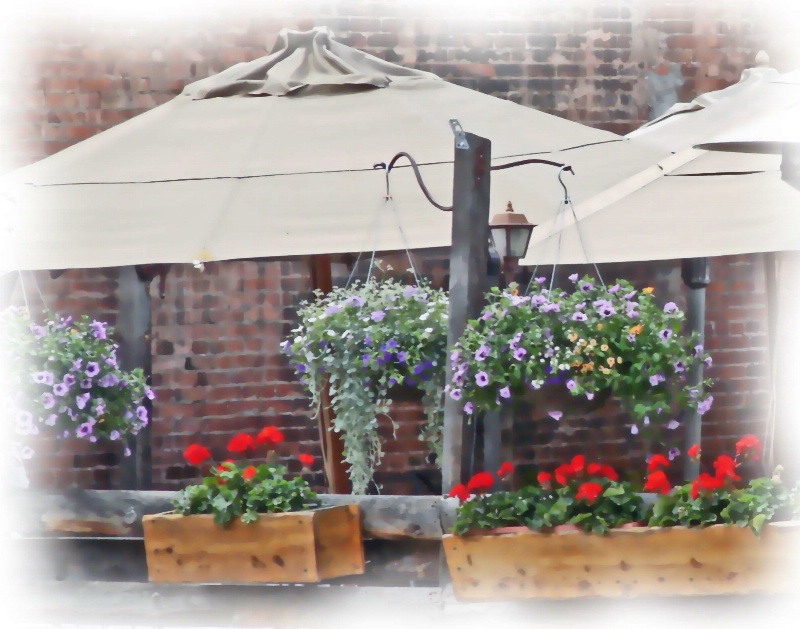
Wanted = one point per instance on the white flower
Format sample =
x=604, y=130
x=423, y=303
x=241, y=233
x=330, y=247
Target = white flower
x=429, y=330
x=330, y=332
x=424, y=316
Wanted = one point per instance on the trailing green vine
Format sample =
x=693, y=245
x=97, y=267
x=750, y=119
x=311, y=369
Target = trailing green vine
x=365, y=341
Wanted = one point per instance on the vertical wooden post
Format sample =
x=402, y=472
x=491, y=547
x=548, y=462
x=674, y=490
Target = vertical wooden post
x=468, y=264
x=696, y=275
x=8, y=282
x=134, y=330
x=332, y=444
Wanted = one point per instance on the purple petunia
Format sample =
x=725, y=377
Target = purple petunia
x=51, y=420
x=378, y=315
x=585, y=286
x=84, y=430
x=141, y=414
x=579, y=316
x=505, y=392
x=698, y=349
x=557, y=415
x=614, y=289
x=634, y=429
x=673, y=453
x=469, y=408
x=705, y=405
x=332, y=309
x=654, y=380
x=109, y=380
x=486, y=315
x=86, y=383
x=572, y=385
x=482, y=353
x=100, y=407
x=646, y=420
x=38, y=331
x=44, y=377
x=590, y=396
x=630, y=295
x=76, y=364
x=402, y=357
x=520, y=353
x=673, y=424
x=69, y=379
x=665, y=335
x=285, y=345
x=92, y=369
x=481, y=378
x=541, y=280
x=632, y=338
x=455, y=394
x=551, y=308
x=61, y=390
x=573, y=277
x=111, y=361
x=48, y=401
x=355, y=300
x=679, y=366
x=82, y=400
x=708, y=362
x=99, y=330
x=539, y=300
x=24, y=423
x=670, y=307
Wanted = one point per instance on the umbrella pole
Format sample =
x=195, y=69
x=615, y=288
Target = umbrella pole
x=696, y=274
x=468, y=263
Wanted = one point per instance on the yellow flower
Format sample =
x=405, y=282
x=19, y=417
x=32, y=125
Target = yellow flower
x=577, y=363
x=637, y=329
x=74, y=332
x=648, y=290
x=619, y=360
x=593, y=342
x=515, y=292
x=587, y=367
x=604, y=347
x=599, y=326
x=610, y=361
x=573, y=337
x=605, y=370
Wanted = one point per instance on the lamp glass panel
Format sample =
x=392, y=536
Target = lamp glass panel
x=499, y=240
x=520, y=237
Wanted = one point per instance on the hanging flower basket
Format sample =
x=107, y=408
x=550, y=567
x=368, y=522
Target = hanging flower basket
x=575, y=349
x=250, y=524
x=589, y=534
x=366, y=341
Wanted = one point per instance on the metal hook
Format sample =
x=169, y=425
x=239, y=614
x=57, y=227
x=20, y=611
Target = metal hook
x=563, y=185
x=386, y=169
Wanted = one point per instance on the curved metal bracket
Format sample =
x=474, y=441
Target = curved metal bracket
x=567, y=200
x=417, y=174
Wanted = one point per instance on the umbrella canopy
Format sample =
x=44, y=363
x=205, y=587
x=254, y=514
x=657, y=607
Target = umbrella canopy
x=693, y=203
x=274, y=158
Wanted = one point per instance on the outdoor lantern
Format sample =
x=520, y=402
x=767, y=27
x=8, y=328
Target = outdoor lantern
x=511, y=233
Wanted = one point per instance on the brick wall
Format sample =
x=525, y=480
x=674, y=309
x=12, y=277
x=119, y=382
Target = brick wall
x=216, y=369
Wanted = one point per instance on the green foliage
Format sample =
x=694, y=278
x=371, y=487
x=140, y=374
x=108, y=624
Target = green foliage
x=64, y=378
x=365, y=340
x=592, y=339
x=228, y=494
x=761, y=501
x=542, y=509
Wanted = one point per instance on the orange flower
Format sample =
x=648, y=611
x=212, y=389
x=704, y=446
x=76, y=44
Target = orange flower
x=249, y=472
x=196, y=454
x=648, y=291
x=637, y=329
x=505, y=469
x=241, y=443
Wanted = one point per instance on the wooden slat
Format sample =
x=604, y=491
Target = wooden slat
x=638, y=562
x=339, y=544
x=116, y=513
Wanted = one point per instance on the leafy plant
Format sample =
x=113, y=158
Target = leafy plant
x=363, y=341
x=65, y=378
x=592, y=339
x=238, y=490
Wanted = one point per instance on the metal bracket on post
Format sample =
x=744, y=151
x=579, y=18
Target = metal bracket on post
x=458, y=131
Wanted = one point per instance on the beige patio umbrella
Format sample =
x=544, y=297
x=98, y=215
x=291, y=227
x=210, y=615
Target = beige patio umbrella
x=274, y=158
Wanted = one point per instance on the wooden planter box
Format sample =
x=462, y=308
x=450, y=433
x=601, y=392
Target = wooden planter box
x=301, y=547
x=674, y=561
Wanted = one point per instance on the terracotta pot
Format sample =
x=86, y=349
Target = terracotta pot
x=504, y=530
x=632, y=525
x=566, y=528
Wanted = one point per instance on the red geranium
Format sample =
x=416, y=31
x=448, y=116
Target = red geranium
x=657, y=482
x=657, y=461
x=563, y=473
x=603, y=471
x=480, y=482
x=544, y=479
x=578, y=463
x=725, y=467
x=241, y=443
x=694, y=451
x=195, y=454
x=249, y=472
x=706, y=483
x=306, y=459
x=270, y=435
x=589, y=492
x=505, y=469
x=749, y=446
x=460, y=492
